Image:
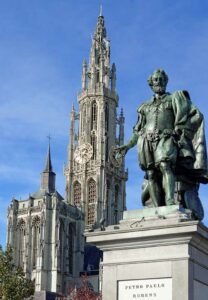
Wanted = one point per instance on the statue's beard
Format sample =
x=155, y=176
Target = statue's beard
x=158, y=89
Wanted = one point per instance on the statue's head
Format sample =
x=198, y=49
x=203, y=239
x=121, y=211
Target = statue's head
x=158, y=81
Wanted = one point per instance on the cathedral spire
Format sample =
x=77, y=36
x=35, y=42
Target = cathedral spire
x=48, y=165
x=98, y=71
x=100, y=31
x=48, y=177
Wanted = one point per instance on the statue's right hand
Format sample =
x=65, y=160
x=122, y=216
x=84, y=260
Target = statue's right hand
x=122, y=149
x=117, y=154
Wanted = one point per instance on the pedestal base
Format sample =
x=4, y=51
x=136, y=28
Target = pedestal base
x=161, y=256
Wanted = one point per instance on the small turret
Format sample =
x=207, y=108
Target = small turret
x=113, y=78
x=84, y=74
x=72, y=135
x=71, y=149
x=121, y=128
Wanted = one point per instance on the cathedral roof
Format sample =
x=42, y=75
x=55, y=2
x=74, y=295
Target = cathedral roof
x=41, y=193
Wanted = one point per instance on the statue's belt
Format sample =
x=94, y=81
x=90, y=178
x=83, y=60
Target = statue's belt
x=156, y=135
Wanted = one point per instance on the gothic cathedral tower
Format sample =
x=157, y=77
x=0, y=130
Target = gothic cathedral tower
x=92, y=183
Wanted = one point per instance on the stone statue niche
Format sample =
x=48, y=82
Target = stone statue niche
x=170, y=139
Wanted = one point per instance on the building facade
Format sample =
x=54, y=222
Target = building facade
x=46, y=235
x=92, y=183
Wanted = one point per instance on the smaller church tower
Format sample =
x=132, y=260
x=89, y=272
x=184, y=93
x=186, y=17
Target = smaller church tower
x=92, y=183
x=45, y=233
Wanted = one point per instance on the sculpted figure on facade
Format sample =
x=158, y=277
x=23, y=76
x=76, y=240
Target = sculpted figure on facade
x=171, y=146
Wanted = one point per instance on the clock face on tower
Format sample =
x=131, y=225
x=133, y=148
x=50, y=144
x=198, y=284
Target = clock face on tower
x=83, y=153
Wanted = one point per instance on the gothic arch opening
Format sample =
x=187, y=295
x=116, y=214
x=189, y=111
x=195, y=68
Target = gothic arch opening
x=61, y=245
x=77, y=193
x=94, y=145
x=92, y=194
x=35, y=239
x=22, y=235
x=94, y=115
x=106, y=117
x=84, y=117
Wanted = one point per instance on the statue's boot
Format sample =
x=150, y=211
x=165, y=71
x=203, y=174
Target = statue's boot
x=168, y=183
x=170, y=202
x=155, y=193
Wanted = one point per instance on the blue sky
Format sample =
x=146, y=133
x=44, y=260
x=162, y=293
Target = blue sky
x=42, y=46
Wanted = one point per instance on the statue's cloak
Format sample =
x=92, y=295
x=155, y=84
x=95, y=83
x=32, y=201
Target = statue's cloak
x=192, y=151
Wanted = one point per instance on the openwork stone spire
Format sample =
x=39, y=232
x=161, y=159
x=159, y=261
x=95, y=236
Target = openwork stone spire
x=100, y=31
x=99, y=72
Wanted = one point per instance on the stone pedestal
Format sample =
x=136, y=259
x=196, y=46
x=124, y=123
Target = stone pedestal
x=156, y=254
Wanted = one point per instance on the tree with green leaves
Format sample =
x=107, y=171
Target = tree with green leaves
x=13, y=283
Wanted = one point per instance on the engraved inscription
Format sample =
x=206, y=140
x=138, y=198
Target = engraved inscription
x=153, y=289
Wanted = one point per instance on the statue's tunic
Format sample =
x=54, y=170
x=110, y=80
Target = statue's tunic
x=156, y=136
x=170, y=129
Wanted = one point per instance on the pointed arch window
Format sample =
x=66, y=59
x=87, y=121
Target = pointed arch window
x=61, y=247
x=77, y=193
x=94, y=115
x=106, y=117
x=92, y=191
x=71, y=248
x=91, y=201
x=22, y=234
x=94, y=146
x=35, y=239
x=98, y=60
x=84, y=117
x=98, y=76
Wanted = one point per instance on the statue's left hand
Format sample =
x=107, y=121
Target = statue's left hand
x=122, y=150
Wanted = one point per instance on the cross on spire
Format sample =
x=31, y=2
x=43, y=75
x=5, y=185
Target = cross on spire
x=101, y=8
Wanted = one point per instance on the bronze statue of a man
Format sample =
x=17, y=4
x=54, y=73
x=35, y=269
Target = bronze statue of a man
x=171, y=147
